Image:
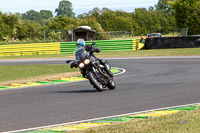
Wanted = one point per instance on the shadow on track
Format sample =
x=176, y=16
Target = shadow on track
x=79, y=91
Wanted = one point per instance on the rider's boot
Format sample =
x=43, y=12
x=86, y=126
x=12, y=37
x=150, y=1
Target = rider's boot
x=74, y=64
x=110, y=73
x=83, y=73
x=107, y=67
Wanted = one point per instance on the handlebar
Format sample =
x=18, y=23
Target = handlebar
x=93, y=43
x=69, y=61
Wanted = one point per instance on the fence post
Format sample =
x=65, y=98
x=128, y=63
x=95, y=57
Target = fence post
x=44, y=34
x=187, y=31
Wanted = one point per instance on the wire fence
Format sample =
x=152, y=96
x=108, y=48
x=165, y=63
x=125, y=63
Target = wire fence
x=180, y=32
x=113, y=35
x=58, y=35
x=67, y=35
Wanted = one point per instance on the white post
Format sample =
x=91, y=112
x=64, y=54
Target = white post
x=187, y=31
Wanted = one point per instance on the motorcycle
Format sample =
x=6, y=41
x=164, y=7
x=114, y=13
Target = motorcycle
x=97, y=72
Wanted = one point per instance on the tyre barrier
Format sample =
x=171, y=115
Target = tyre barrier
x=73, y=126
x=55, y=81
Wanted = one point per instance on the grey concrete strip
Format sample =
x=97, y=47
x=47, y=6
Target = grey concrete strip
x=110, y=58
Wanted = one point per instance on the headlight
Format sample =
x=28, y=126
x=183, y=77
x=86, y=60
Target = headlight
x=87, y=61
x=81, y=65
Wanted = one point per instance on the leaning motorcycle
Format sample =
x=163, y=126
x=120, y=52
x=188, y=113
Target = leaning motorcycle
x=92, y=69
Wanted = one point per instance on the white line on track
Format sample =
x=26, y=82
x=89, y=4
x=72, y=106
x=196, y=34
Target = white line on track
x=81, y=121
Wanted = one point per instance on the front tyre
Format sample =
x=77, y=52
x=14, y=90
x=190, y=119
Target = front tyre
x=93, y=80
x=111, y=85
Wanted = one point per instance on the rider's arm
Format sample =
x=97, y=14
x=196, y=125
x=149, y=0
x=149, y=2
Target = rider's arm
x=91, y=49
x=95, y=49
x=88, y=48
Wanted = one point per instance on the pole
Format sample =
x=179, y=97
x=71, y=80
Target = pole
x=53, y=34
x=72, y=35
x=187, y=31
x=44, y=34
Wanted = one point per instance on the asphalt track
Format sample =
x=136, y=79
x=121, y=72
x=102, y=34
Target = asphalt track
x=148, y=83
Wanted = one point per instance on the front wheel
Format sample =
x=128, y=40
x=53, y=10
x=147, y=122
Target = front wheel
x=111, y=85
x=93, y=80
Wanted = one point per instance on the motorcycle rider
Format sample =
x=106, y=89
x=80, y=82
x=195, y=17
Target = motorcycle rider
x=82, y=49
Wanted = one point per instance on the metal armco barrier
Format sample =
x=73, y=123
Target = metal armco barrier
x=64, y=47
x=29, y=49
x=104, y=45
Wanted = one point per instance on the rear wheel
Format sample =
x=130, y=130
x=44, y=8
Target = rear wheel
x=111, y=85
x=93, y=80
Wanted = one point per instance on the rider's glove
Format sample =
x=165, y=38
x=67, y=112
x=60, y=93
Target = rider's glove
x=88, y=47
x=74, y=64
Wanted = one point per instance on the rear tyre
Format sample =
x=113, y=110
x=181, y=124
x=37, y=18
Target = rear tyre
x=111, y=85
x=93, y=80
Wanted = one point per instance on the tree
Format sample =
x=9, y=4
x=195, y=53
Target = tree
x=83, y=15
x=113, y=21
x=105, y=9
x=27, y=29
x=8, y=23
x=187, y=14
x=95, y=12
x=65, y=8
x=62, y=23
x=151, y=8
x=32, y=29
x=164, y=5
x=43, y=17
x=152, y=21
x=46, y=14
x=32, y=15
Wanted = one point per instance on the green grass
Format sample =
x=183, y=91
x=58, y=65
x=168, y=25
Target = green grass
x=26, y=42
x=129, y=53
x=16, y=72
x=183, y=122
x=154, y=52
x=38, y=56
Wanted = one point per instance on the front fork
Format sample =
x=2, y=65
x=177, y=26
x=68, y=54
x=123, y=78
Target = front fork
x=95, y=72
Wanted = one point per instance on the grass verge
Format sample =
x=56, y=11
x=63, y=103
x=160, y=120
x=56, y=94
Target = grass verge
x=16, y=73
x=129, y=53
x=183, y=122
x=39, y=56
x=154, y=52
